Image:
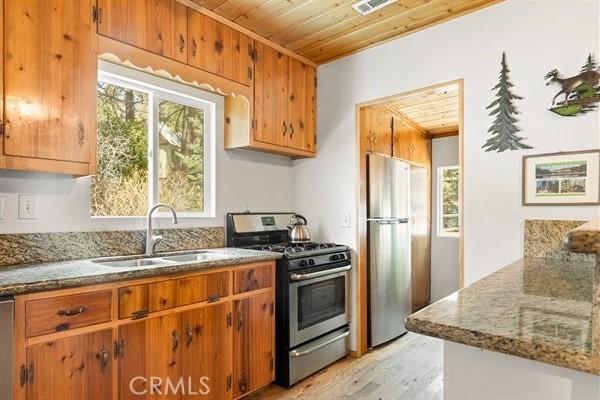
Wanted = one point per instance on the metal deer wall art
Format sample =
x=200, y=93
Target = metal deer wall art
x=579, y=93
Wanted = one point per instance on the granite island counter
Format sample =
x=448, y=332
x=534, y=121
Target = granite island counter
x=531, y=330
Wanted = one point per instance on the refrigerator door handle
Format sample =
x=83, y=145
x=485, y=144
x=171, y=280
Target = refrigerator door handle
x=388, y=221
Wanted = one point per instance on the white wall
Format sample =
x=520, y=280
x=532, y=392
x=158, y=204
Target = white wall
x=444, y=249
x=537, y=37
x=244, y=180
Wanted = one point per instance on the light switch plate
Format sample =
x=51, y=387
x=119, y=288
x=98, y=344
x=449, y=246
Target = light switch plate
x=346, y=220
x=27, y=206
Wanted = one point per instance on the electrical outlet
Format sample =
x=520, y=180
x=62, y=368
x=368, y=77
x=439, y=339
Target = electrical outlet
x=27, y=207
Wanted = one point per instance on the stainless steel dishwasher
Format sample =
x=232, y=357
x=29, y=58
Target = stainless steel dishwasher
x=6, y=341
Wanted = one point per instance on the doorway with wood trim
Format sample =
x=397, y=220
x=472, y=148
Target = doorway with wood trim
x=403, y=127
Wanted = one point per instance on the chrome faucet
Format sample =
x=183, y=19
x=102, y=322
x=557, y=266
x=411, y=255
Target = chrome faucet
x=151, y=239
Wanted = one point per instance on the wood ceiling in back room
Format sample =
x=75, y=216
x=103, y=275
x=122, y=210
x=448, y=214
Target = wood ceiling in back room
x=324, y=30
x=435, y=110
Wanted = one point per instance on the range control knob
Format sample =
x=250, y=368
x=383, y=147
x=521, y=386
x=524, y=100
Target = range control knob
x=311, y=261
x=335, y=257
x=303, y=263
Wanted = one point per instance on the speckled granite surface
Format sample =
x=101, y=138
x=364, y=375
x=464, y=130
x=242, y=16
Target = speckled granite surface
x=585, y=238
x=49, y=276
x=540, y=309
x=545, y=238
x=31, y=248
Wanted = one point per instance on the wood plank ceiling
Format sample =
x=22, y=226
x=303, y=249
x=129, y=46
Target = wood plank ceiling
x=434, y=110
x=323, y=30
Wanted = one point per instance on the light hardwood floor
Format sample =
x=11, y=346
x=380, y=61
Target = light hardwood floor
x=410, y=368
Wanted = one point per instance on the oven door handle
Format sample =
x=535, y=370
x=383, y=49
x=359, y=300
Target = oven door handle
x=297, y=353
x=303, y=277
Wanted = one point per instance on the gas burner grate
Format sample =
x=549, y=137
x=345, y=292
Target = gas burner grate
x=293, y=248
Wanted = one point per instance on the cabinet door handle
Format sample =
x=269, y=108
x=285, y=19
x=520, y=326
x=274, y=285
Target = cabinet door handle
x=71, y=313
x=240, y=320
x=175, y=335
x=194, y=47
x=102, y=357
x=81, y=132
x=291, y=130
x=284, y=128
x=190, y=335
x=181, y=43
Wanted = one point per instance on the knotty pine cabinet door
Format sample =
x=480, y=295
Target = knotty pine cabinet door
x=219, y=49
x=376, y=130
x=159, y=26
x=50, y=69
x=271, y=106
x=75, y=368
x=207, y=350
x=149, y=348
x=253, y=343
x=302, y=92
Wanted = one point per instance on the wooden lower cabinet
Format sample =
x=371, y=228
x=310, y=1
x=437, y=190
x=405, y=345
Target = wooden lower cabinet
x=253, y=340
x=206, y=355
x=204, y=347
x=74, y=368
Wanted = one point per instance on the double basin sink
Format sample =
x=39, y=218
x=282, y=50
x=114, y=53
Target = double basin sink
x=163, y=261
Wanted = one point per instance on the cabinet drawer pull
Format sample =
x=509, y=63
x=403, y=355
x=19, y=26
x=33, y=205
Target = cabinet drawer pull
x=284, y=128
x=102, y=357
x=71, y=313
x=181, y=43
x=194, y=47
x=175, y=335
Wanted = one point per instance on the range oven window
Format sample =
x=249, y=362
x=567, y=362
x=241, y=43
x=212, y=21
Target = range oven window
x=321, y=301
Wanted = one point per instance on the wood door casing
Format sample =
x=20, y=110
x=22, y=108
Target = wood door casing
x=207, y=350
x=50, y=69
x=152, y=348
x=270, y=95
x=69, y=369
x=253, y=339
x=159, y=26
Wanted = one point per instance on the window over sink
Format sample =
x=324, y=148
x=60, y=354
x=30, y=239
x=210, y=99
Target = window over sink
x=155, y=144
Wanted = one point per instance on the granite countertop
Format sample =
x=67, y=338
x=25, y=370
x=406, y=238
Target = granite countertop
x=585, y=239
x=21, y=279
x=536, y=308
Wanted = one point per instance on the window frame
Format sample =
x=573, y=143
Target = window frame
x=440, y=202
x=157, y=89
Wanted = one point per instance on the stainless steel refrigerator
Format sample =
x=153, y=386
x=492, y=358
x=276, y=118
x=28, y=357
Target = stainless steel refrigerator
x=389, y=238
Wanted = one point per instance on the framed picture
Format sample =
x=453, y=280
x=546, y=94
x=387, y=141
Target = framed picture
x=562, y=179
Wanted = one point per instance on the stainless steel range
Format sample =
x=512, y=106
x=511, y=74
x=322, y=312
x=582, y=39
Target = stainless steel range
x=312, y=288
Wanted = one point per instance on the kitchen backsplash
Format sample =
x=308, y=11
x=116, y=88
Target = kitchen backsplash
x=33, y=248
x=544, y=238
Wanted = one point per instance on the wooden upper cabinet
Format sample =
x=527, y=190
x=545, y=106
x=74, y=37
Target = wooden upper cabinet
x=376, y=130
x=253, y=339
x=271, y=96
x=410, y=143
x=50, y=69
x=301, y=93
x=75, y=368
x=217, y=48
x=284, y=101
x=159, y=26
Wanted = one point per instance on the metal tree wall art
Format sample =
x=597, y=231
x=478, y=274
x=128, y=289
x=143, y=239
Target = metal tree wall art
x=504, y=129
x=580, y=93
